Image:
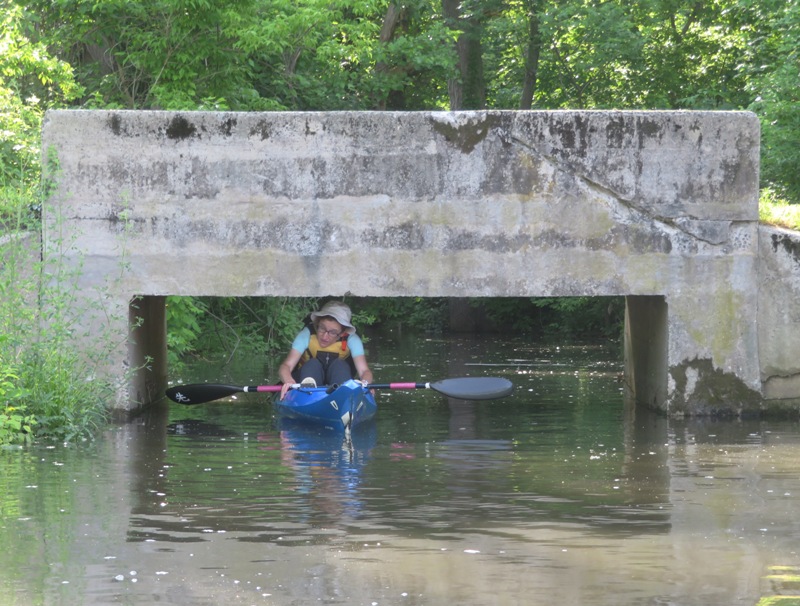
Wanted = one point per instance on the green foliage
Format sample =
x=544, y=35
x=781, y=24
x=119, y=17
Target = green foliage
x=46, y=387
x=367, y=54
x=407, y=313
x=512, y=314
x=17, y=212
x=650, y=54
x=548, y=316
x=16, y=424
x=67, y=404
x=775, y=84
x=258, y=326
x=582, y=316
x=322, y=54
x=167, y=54
x=245, y=55
x=774, y=210
x=183, y=327
x=31, y=80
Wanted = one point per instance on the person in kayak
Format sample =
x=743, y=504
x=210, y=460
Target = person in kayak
x=326, y=352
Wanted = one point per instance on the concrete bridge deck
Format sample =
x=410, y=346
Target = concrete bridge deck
x=659, y=207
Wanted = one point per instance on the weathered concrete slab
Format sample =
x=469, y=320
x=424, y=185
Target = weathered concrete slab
x=779, y=316
x=641, y=204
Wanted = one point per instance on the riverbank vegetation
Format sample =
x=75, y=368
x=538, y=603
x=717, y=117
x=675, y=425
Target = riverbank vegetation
x=777, y=211
x=46, y=387
x=265, y=55
x=262, y=326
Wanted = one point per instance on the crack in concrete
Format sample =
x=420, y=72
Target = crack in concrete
x=605, y=190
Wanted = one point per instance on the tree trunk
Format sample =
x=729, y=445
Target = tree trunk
x=391, y=20
x=469, y=90
x=531, y=57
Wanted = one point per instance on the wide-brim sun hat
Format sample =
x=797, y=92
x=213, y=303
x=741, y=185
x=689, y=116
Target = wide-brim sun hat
x=338, y=311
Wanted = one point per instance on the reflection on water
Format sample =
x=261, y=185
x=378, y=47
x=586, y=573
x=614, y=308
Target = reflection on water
x=557, y=494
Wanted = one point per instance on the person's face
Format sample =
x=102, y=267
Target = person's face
x=328, y=331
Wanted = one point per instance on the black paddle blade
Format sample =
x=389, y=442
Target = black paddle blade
x=474, y=388
x=201, y=392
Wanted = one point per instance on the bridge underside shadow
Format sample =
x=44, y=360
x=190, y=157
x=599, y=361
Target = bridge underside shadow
x=658, y=207
x=645, y=346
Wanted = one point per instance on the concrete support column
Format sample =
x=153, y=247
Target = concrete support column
x=147, y=348
x=646, y=350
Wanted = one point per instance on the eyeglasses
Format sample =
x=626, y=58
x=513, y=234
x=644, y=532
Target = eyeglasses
x=331, y=333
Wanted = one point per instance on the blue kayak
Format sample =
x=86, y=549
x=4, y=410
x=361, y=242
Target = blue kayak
x=342, y=407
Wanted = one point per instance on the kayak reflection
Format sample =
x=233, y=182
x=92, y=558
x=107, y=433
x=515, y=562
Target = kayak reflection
x=326, y=464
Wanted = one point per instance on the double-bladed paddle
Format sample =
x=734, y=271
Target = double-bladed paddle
x=462, y=388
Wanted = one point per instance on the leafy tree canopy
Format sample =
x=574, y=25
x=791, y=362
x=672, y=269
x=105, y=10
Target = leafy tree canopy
x=421, y=54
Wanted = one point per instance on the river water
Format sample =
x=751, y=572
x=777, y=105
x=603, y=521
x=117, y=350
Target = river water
x=555, y=495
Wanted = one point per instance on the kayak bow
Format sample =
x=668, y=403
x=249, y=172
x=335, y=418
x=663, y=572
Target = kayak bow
x=341, y=407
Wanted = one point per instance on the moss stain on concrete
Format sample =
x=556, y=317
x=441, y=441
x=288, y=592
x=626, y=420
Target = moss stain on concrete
x=466, y=135
x=711, y=391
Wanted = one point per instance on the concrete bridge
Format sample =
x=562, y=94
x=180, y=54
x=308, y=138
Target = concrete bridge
x=658, y=207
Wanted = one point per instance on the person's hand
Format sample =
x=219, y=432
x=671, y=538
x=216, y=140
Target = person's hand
x=284, y=388
x=365, y=384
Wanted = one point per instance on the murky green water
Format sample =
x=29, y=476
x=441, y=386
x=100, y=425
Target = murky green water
x=556, y=495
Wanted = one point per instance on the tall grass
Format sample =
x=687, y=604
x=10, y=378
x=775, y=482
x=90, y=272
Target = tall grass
x=46, y=384
x=774, y=210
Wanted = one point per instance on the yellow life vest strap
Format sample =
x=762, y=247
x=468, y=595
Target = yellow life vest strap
x=338, y=347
